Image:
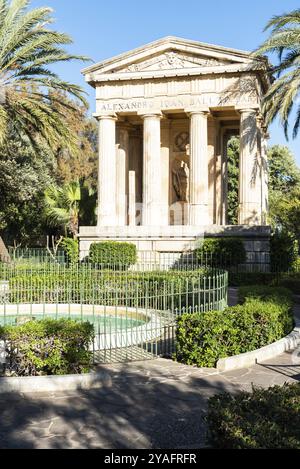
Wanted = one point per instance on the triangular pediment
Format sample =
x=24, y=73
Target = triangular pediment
x=172, y=60
x=169, y=54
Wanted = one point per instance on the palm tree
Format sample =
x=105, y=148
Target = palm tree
x=62, y=206
x=282, y=96
x=29, y=90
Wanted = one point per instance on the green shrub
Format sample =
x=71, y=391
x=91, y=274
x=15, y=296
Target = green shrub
x=265, y=419
x=48, y=347
x=71, y=249
x=222, y=252
x=277, y=295
x=283, y=252
x=296, y=265
x=237, y=279
x=264, y=317
x=113, y=254
x=290, y=281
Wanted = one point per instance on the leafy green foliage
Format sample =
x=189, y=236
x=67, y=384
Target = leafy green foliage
x=284, y=174
x=290, y=281
x=284, y=194
x=24, y=177
x=277, y=295
x=283, y=252
x=71, y=248
x=237, y=279
x=264, y=317
x=265, y=419
x=62, y=206
x=48, y=347
x=233, y=157
x=113, y=254
x=221, y=252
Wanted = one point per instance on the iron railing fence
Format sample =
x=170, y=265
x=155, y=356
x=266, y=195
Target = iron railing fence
x=35, y=255
x=149, y=260
x=134, y=312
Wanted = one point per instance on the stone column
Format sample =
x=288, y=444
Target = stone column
x=264, y=175
x=132, y=199
x=136, y=165
x=122, y=174
x=165, y=171
x=198, y=209
x=152, y=171
x=250, y=170
x=106, y=210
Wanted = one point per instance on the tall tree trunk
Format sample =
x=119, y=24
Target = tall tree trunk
x=4, y=254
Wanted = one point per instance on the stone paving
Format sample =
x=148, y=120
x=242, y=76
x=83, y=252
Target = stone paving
x=152, y=404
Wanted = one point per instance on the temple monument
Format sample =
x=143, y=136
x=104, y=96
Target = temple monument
x=166, y=112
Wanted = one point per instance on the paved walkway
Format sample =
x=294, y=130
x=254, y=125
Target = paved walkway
x=155, y=404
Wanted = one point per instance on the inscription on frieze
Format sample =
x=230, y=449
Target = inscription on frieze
x=207, y=99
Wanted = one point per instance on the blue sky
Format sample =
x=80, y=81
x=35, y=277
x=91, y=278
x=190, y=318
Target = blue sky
x=103, y=28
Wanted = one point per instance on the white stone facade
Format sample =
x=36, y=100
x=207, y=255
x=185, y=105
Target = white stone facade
x=165, y=112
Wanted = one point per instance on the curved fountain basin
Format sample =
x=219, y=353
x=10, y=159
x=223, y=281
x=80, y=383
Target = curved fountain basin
x=115, y=326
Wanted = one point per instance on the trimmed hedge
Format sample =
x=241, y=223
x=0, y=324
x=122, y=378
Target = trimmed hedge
x=159, y=290
x=48, y=347
x=278, y=295
x=288, y=280
x=113, y=254
x=222, y=252
x=264, y=317
x=265, y=419
x=237, y=279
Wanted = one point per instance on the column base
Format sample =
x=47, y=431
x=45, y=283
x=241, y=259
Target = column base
x=250, y=214
x=198, y=215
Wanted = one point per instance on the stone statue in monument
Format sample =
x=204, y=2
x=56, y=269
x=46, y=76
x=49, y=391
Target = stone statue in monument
x=180, y=177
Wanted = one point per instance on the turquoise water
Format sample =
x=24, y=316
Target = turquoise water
x=101, y=323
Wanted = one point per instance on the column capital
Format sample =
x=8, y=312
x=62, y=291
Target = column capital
x=204, y=111
x=100, y=117
x=248, y=110
x=156, y=114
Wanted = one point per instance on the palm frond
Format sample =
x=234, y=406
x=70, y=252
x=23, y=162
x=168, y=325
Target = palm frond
x=279, y=21
x=282, y=95
x=27, y=50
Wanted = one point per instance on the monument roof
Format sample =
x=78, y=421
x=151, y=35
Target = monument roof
x=173, y=56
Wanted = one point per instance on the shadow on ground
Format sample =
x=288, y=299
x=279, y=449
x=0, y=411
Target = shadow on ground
x=141, y=408
x=156, y=404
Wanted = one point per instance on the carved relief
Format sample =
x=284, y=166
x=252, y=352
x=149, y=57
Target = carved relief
x=172, y=60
